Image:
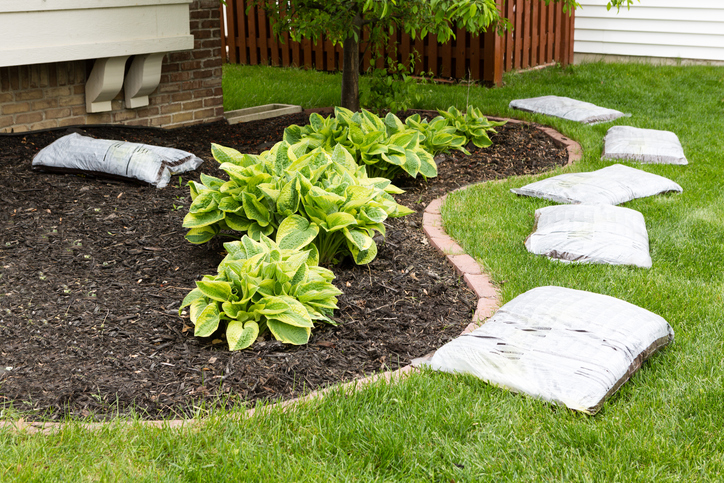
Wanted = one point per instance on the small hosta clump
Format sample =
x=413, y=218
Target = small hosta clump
x=266, y=285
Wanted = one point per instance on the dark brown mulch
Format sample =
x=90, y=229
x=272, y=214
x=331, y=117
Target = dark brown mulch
x=92, y=273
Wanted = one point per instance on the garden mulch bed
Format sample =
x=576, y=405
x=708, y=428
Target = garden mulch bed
x=92, y=273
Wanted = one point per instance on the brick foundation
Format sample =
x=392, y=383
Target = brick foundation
x=43, y=96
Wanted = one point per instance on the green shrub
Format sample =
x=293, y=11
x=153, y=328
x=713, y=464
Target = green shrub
x=264, y=285
x=329, y=190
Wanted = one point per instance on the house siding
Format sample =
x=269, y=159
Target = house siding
x=665, y=29
x=52, y=95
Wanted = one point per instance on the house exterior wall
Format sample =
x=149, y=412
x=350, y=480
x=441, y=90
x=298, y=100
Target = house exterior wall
x=652, y=29
x=49, y=95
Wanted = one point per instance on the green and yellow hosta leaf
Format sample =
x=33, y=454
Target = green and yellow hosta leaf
x=296, y=232
x=202, y=234
x=241, y=335
x=216, y=290
x=197, y=220
x=255, y=210
x=208, y=321
x=428, y=167
x=229, y=205
x=223, y=154
x=295, y=315
x=372, y=214
x=362, y=257
x=190, y=298
x=237, y=222
x=289, y=196
x=204, y=202
x=358, y=239
x=289, y=334
x=340, y=220
x=211, y=182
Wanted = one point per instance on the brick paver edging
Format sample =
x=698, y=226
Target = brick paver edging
x=464, y=265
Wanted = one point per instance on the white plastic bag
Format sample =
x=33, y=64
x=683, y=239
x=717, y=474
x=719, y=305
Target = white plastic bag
x=612, y=185
x=81, y=154
x=591, y=234
x=643, y=145
x=567, y=108
x=561, y=345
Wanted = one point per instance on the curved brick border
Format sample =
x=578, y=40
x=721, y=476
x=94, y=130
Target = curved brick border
x=464, y=265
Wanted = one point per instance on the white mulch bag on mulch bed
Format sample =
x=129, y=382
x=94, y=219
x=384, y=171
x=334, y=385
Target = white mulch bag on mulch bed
x=591, y=234
x=116, y=159
x=643, y=145
x=562, y=345
x=567, y=108
x=612, y=185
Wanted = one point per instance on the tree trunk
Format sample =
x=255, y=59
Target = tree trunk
x=350, y=67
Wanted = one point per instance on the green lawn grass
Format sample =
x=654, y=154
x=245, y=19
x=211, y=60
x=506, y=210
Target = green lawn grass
x=663, y=425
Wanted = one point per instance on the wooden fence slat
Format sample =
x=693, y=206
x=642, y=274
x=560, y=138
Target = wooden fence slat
x=476, y=46
x=252, y=36
x=446, y=57
x=525, y=58
x=549, y=34
x=460, y=52
x=240, y=35
x=431, y=54
x=518, y=36
x=263, y=45
x=420, y=58
x=535, y=40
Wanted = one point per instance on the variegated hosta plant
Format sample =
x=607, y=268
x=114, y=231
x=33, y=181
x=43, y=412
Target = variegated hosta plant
x=265, y=285
x=473, y=125
x=329, y=190
x=385, y=152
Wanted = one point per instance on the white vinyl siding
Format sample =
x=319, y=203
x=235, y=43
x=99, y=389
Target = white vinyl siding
x=692, y=29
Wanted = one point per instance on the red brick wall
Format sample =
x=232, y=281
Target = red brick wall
x=51, y=95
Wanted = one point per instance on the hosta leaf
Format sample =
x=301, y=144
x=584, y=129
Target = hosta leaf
x=268, y=191
x=401, y=211
x=404, y=140
x=204, y=202
x=255, y=210
x=236, y=250
x=216, y=290
x=339, y=220
x=190, y=298
x=289, y=196
x=358, y=196
x=288, y=333
x=202, y=234
x=482, y=141
x=235, y=310
x=198, y=306
x=207, y=321
x=226, y=155
x=241, y=335
x=295, y=232
x=316, y=121
x=237, y=222
x=342, y=157
x=292, y=134
x=212, y=182
x=301, y=274
x=270, y=306
x=313, y=259
x=372, y=214
x=197, y=220
x=394, y=124
x=428, y=167
x=229, y=204
x=282, y=159
x=295, y=315
x=253, y=247
x=412, y=163
x=363, y=257
x=394, y=158
x=358, y=239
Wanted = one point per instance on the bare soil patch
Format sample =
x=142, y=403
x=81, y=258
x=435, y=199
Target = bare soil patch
x=92, y=273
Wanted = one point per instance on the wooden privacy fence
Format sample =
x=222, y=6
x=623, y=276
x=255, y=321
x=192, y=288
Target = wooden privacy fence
x=541, y=34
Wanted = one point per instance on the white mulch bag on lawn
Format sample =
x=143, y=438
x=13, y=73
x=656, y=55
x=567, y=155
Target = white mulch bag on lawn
x=117, y=159
x=643, y=145
x=612, y=185
x=562, y=345
x=567, y=108
x=591, y=234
